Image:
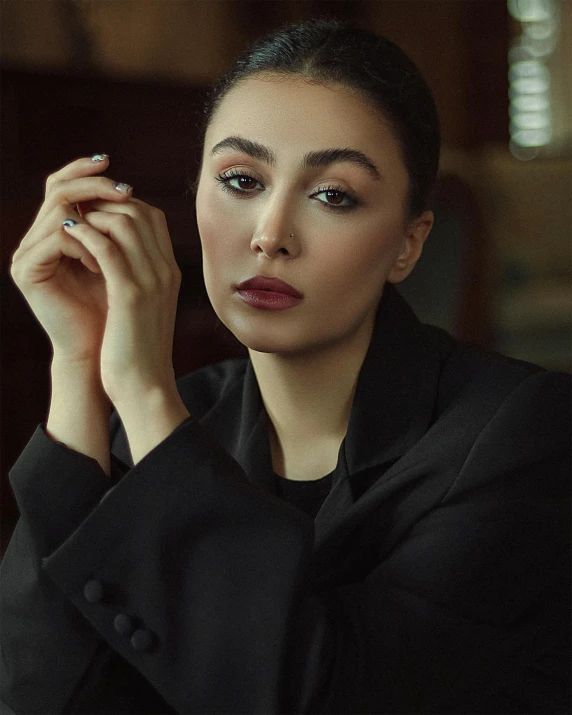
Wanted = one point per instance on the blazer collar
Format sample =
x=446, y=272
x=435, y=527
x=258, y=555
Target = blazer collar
x=392, y=408
x=396, y=389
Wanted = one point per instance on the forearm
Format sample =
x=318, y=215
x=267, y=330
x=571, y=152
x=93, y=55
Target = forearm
x=79, y=410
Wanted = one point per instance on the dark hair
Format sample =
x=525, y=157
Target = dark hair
x=330, y=51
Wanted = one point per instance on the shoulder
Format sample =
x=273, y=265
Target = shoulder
x=202, y=389
x=518, y=413
x=467, y=369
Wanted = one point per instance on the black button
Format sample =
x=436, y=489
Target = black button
x=142, y=639
x=124, y=624
x=93, y=591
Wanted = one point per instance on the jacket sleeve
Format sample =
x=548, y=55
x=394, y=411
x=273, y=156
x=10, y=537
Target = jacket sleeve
x=45, y=645
x=217, y=575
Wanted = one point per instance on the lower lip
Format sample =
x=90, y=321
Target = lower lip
x=268, y=300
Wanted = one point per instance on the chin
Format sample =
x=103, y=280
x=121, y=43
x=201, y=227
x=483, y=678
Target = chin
x=272, y=333
x=263, y=337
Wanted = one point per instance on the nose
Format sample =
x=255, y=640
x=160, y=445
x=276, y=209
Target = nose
x=275, y=236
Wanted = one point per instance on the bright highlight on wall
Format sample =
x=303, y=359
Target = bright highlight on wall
x=530, y=107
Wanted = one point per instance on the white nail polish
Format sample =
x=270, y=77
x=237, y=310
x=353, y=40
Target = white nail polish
x=99, y=157
x=122, y=188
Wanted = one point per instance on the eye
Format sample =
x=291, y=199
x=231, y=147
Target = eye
x=239, y=183
x=335, y=198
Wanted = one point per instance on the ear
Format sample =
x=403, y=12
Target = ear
x=417, y=232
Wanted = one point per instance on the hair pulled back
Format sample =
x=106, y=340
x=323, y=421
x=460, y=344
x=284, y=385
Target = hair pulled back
x=332, y=52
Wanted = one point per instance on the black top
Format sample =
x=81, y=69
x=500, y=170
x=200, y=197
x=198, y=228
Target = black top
x=306, y=495
x=435, y=577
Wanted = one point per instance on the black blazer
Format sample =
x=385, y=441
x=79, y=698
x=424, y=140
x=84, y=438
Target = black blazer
x=434, y=579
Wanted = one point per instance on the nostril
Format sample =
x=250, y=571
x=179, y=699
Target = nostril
x=284, y=251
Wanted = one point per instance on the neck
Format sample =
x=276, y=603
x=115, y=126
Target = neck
x=308, y=398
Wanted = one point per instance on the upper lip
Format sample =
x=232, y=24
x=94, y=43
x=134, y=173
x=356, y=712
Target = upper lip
x=271, y=284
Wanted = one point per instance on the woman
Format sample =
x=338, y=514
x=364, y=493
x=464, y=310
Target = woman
x=363, y=517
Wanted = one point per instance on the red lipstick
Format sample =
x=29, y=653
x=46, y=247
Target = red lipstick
x=268, y=293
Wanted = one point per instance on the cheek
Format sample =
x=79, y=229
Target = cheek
x=216, y=225
x=361, y=259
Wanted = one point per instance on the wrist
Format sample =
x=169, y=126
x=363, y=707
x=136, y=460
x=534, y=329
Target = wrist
x=65, y=364
x=79, y=409
x=159, y=400
x=149, y=417
x=78, y=377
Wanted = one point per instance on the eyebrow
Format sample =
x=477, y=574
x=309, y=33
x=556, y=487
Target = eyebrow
x=312, y=160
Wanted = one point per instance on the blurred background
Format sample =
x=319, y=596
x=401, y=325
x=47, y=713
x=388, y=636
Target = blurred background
x=128, y=77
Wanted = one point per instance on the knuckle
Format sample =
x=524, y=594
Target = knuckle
x=54, y=188
x=135, y=212
x=16, y=277
x=137, y=204
x=14, y=266
x=164, y=277
x=170, y=273
x=107, y=249
x=155, y=284
x=16, y=255
x=177, y=275
x=50, y=181
x=157, y=213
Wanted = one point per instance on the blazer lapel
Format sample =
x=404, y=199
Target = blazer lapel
x=396, y=390
x=392, y=409
x=240, y=424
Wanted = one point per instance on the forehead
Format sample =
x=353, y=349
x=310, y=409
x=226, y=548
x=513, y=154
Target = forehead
x=291, y=114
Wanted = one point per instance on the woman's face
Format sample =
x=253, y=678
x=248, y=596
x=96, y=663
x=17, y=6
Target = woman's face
x=283, y=156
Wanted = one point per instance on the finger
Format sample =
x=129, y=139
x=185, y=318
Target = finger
x=40, y=262
x=134, y=240
x=85, y=166
x=163, y=236
x=51, y=222
x=116, y=271
x=142, y=214
x=75, y=170
x=86, y=188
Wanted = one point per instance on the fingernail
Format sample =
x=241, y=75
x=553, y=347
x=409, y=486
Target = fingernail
x=69, y=223
x=123, y=188
x=99, y=157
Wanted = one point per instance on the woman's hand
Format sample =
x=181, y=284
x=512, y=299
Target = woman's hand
x=59, y=276
x=132, y=246
x=133, y=249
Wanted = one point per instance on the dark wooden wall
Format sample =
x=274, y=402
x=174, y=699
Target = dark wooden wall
x=50, y=120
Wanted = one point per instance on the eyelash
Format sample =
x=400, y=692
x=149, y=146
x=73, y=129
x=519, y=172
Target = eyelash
x=225, y=178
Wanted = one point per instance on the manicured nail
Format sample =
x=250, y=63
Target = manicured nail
x=123, y=188
x=69, y=223
x=99, y=157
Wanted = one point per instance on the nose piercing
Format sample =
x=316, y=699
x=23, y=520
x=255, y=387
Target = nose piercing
x=291, y=235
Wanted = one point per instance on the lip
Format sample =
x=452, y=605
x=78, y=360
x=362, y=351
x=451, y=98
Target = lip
x=268, y=293
x=274, y=285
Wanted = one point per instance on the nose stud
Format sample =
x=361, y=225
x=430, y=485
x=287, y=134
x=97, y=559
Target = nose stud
x=291, y=235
